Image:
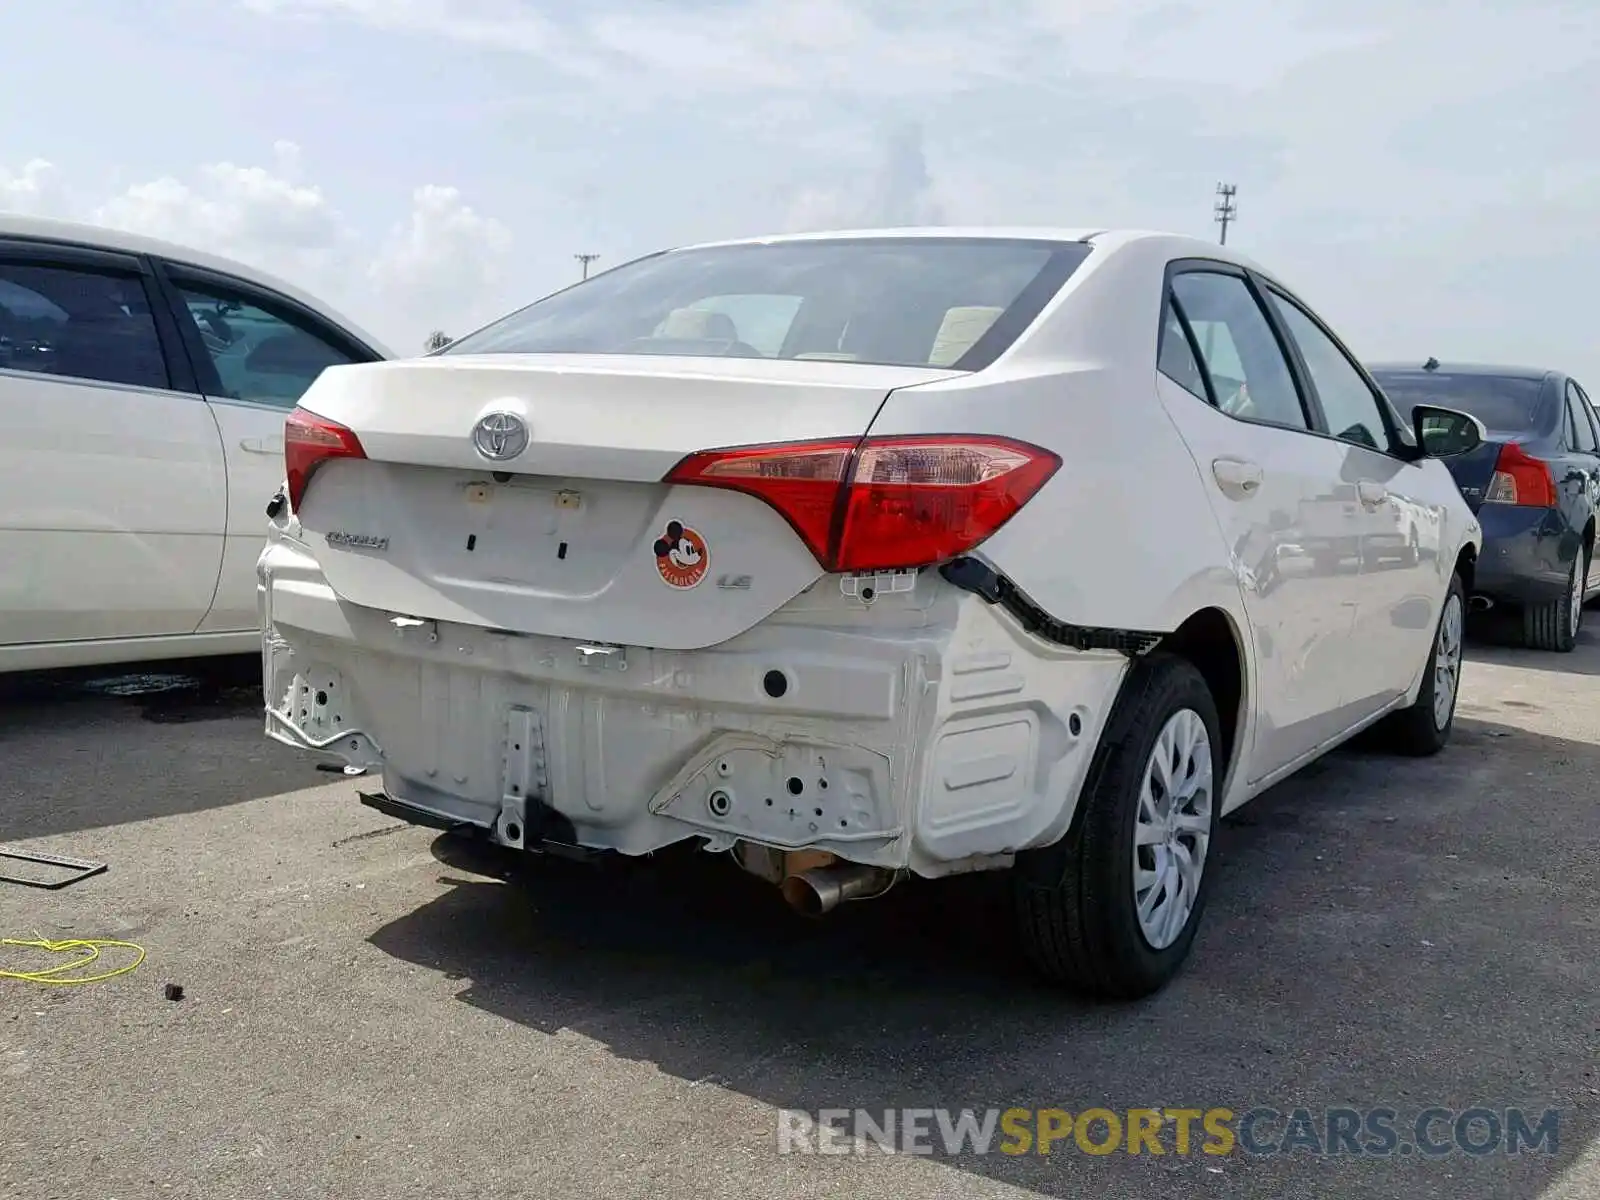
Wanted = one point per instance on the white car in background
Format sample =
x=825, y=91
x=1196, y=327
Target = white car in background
x=143, y=391
x=867, y=555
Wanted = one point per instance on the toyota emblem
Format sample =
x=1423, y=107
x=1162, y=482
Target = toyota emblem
x=500, y=435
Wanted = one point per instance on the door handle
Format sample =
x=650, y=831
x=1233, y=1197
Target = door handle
x=1372, y=494
x=1237, y=478
x=262, y=445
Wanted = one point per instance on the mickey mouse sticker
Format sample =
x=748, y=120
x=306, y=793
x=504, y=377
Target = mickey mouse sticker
x=681, y=556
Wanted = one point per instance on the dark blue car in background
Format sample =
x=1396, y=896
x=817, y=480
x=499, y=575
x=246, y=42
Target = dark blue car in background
x=1534, y=485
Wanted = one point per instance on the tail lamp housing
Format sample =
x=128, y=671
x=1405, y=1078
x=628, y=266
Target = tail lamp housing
x=308, y=442
x=1521, y=479
x=882, y=503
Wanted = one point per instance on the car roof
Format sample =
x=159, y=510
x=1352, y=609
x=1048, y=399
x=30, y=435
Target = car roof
x=1180, y=244
x=1463, y=368
x=100, y=237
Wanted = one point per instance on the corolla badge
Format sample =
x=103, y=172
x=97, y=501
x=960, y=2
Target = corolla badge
x=357, y=541
x=500, y=435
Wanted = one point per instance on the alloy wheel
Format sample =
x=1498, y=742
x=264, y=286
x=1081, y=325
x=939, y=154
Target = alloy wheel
x=1173, y=828
x=1447, y=662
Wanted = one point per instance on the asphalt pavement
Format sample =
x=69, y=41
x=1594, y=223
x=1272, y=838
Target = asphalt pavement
x=367, y=1012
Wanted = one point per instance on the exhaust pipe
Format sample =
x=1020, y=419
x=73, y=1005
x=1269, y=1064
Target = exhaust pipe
x=1480, y=604
x=823, y=889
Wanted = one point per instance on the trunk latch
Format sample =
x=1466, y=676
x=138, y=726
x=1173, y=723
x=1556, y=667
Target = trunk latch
x=404, y=625
x=603, y=656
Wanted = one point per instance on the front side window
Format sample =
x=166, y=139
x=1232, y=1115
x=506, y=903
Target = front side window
x=77, y=323
x=911, y=301
x=1353, y=411
x=1249, y=376
x=260, y=356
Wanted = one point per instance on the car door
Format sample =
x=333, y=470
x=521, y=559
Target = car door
x=255, y=354
x=1275, y=487
x=1578, y=478
x=1402, y=559
x=112, y=482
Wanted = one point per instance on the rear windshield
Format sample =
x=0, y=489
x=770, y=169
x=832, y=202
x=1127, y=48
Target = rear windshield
x=943, y=302
x=1504, y=403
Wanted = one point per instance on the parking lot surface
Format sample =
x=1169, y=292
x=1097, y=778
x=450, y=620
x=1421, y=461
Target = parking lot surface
x=364, y=1015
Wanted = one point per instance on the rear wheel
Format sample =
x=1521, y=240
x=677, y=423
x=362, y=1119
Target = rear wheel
x=1555, y=625
x=1424, y=727
x=1112, y=909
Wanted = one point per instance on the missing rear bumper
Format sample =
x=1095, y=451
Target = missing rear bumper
x=973, y=576
x=544, y=828
x=411, y=814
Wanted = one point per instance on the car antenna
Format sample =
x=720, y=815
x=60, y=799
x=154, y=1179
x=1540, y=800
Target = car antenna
x=1431, y=365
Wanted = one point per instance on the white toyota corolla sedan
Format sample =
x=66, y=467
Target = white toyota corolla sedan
x=875, y=555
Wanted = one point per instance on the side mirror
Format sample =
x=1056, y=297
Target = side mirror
x=1442, y=432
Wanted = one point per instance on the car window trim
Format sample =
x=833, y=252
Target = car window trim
x=1380, y=402
x=90, y=260
x=170, y=275
x=1217, y=266
x=69, y=255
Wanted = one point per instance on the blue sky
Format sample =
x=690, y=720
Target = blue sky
x=1426, y=174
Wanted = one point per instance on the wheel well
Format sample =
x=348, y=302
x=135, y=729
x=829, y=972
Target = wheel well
x=1588, y=538
x=1208, y=640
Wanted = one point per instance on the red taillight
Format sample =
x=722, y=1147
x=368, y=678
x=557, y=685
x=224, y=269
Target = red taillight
x=308, y=442
x=1519, y=478
x=879, y=504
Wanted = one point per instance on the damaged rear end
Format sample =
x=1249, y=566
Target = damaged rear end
x=612, y=603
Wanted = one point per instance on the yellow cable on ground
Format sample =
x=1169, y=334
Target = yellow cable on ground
x=53, y=974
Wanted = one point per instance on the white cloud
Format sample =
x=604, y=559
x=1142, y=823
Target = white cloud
x=253, y=214
x=440, y=265
x=885, y=48
x=897, y=191
x=34, y=190
x=446, y=261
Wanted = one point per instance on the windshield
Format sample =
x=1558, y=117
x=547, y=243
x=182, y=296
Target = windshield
x=1504, y=403
x=900, y=301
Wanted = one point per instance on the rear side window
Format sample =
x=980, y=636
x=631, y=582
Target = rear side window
x=1504, y=403
x=1587, y=407
x=1177, y=361
x=1240, y=354
x=76, y=323
x=1583, y=430
x=904, y=301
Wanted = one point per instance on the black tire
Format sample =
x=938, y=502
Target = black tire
x=1074, y=901
x=1550, y=626
x=1416, y=730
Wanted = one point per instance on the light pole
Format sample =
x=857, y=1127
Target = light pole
x=1226, y=212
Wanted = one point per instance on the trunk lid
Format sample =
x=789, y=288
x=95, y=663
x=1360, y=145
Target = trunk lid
x=1473, y=470
x=563, y=539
